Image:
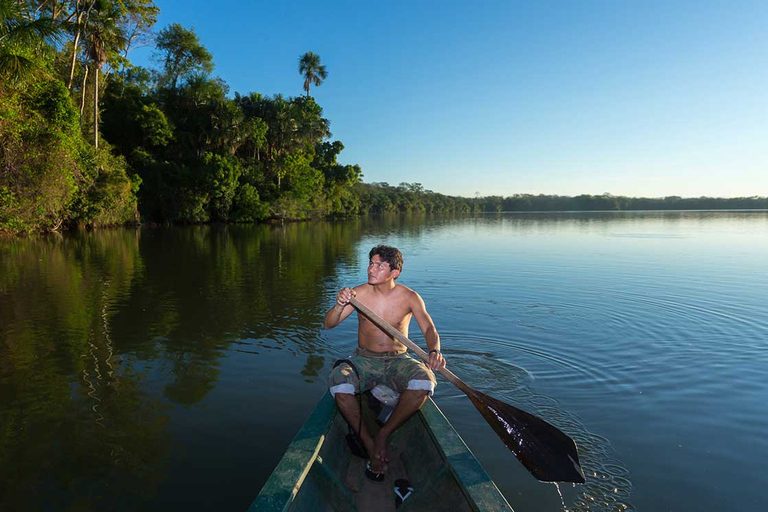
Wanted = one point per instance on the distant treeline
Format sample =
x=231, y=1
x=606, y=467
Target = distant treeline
x=411, y=197
x=89, y=139
x=528, y=202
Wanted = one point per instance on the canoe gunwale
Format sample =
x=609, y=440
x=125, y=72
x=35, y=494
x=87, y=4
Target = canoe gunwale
x=475, y=483
x=285, y=481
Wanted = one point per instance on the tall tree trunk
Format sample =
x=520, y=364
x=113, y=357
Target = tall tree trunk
x=82, y=99
x=74, y=61
x=96, y=106
x=79, y=20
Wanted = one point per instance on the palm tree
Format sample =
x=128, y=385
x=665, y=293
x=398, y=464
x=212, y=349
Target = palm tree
x=23, y=36
x=97, y=53
x=313, y=71
x=81, y=15
x=106, y=35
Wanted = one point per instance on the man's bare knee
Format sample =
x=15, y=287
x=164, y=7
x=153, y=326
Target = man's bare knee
x=416, y=394
x=346, y=402
x=344, y=397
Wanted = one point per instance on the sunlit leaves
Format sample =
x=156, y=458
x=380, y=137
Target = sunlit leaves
x=26, y=40
x=182, y=55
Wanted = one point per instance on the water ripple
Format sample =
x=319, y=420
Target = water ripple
x=577, y=366
x=608, y=486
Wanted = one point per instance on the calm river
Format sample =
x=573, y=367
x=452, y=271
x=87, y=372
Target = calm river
x=163, y=368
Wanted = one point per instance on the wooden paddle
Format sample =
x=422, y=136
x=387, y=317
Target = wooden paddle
x=548, y=453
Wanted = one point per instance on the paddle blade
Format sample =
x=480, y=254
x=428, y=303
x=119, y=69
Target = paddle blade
x=548, y=453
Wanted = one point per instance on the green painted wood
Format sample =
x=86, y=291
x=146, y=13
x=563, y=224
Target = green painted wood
x=329, y=491
x=285, y=482
x=477, y=486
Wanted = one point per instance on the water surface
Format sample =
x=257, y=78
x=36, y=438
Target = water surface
x=172, y=366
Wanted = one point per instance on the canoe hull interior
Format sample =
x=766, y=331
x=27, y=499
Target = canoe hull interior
x=318, y=472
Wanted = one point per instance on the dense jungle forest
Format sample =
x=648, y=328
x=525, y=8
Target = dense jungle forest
x=89, y=139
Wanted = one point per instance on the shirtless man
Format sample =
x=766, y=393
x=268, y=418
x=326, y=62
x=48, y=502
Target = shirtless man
x=380, y=358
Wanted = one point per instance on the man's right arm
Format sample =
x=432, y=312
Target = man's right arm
x=341, y=310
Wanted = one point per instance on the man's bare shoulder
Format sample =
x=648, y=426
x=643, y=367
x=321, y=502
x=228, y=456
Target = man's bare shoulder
x=406, y=295
x=402, y=289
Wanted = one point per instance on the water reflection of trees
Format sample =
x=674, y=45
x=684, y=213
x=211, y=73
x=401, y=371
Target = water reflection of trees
x=204, y=289
x=77, y=430
x=86, y=318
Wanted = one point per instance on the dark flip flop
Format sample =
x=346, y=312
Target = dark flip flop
x=372, y=475
x=403, y=491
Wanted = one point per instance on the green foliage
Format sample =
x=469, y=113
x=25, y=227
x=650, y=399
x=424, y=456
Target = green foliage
x=221, y=175
x=311, y=126
x=411, y=197
x=289, y=207
x=9, y=212
x=50, y=100
x=125, y=123
x=111, y=197
x=340, y=180
x=154, y=126
x=40, y=156
x=254, y=136
x=26, y=40
x=182, y=55
x=248, y=206
x=301, y=179
x=203, y=157
x=51, y=176
x=609, y=202
x=192, y=207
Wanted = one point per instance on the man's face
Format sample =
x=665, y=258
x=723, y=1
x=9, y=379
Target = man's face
x=379, y=271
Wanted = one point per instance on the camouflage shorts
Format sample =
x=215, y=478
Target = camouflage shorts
x=396, y=370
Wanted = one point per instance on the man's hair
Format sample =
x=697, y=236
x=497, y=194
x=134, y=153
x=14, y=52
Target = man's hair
x=391, y=255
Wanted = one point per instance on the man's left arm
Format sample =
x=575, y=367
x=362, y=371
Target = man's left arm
x=427, y=326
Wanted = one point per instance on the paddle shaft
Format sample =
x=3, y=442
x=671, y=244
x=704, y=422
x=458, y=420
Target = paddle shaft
x=386, y=327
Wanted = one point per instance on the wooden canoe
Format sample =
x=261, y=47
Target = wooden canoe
x=318, y=472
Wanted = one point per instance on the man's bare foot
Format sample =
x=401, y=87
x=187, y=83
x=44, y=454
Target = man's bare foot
x=380, y=459
x=376, y=465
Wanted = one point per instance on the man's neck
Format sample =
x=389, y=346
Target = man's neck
x=384, y=288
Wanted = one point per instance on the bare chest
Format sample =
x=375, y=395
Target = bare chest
x=397, y=315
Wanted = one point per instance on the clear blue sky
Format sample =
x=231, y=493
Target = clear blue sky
x=640, y=98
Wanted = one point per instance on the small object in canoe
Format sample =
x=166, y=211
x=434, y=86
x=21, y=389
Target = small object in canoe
x=372, y=475
x=403, y=491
